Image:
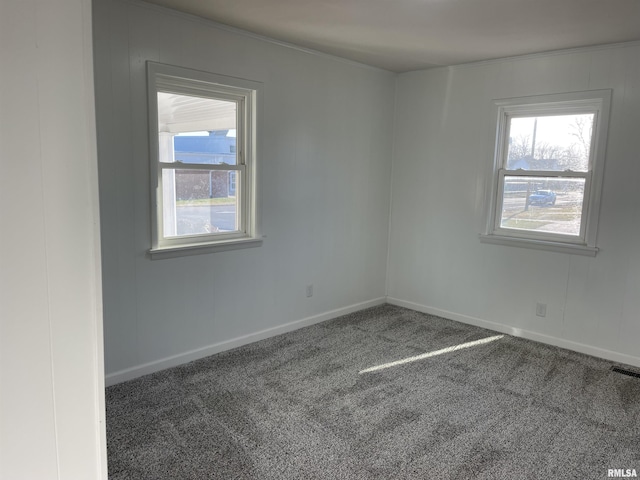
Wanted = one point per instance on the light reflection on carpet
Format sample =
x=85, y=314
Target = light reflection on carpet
x=442, y=351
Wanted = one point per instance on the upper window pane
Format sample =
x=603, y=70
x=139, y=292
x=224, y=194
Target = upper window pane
x=550, y=143
x=196, y=130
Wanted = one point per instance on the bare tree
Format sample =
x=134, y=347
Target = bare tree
x=546, y=151
x=548, y=156
x=581, y=130
x=519, y=148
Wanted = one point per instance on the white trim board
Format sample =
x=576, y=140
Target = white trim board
x=186, y=357
x=518, y=332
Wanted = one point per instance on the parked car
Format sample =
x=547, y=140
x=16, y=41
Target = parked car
x=542, y=198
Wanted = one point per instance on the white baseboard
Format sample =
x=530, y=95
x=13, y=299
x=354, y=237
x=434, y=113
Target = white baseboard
x=186, y=357
x=518, y=332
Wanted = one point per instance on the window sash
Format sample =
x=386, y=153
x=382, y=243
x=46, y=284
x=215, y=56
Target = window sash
x=242, y=124
x=241, y=215
x=523, y=233
x=240, y=166
x=527, y=111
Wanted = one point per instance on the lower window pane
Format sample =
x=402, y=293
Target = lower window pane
x=199, y=202
x=543, y=204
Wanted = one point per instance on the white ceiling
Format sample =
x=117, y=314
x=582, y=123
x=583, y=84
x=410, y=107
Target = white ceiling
x=404, y=35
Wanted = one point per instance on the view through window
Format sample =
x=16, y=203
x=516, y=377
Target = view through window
x=546, y=173
x=199, y=199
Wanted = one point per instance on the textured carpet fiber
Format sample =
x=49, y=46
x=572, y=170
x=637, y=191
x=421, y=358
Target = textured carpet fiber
x=297, y=407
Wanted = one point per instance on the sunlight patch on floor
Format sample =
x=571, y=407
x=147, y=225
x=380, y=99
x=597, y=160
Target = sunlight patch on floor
x=453, y=348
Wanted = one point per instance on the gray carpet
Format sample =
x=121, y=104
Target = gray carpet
x=296, y=407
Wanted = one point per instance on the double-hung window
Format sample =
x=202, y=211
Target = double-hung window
x=202, y=130
x=547, y=171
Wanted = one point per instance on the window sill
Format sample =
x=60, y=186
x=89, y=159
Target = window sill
x=540, y=245
x=160, y=253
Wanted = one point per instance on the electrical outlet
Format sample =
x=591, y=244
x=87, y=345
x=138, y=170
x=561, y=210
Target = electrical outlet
x=541, y=309
x=309, y=290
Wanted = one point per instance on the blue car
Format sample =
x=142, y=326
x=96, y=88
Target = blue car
x=542, y=198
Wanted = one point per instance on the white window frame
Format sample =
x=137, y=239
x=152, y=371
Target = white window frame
x=597, y=102
x=245, y=93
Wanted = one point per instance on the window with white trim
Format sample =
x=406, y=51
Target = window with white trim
x=202, y=130
x=547, y=171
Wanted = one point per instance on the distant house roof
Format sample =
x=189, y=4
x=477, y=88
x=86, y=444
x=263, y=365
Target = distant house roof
x=528, y=163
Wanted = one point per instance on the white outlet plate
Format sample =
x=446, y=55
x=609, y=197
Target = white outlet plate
x=541, y=309
x=309, y=290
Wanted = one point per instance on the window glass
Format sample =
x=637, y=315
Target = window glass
x=543, y=204
x=198, y=202
x=196, y=129
x=550, y=143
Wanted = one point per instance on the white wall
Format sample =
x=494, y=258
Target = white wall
x=325, y=165
x=443, y=144
x=51, y=381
